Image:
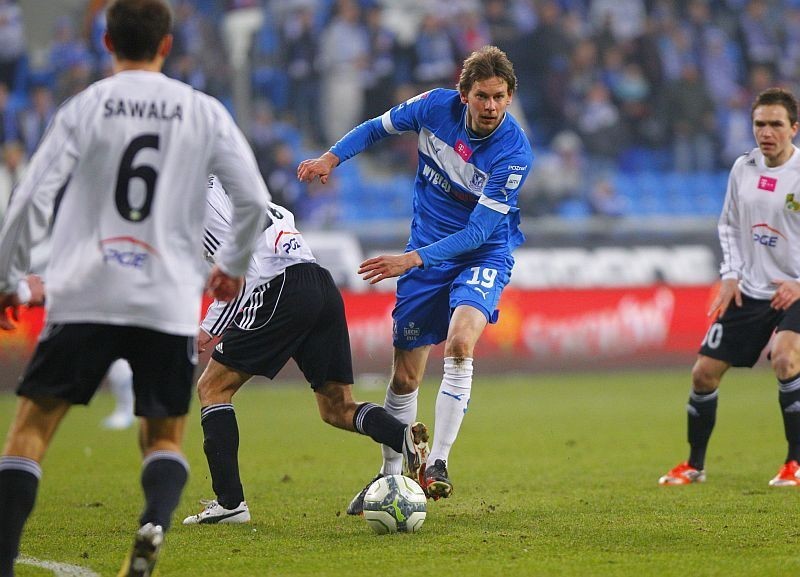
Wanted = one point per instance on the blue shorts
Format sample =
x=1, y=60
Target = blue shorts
x=427, y=297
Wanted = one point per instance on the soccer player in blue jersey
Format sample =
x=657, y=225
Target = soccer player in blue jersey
x=473, y=158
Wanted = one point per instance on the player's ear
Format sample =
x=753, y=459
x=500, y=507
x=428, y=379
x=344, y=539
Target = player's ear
x=463, y=97
x=165, y=46
x=107, y=42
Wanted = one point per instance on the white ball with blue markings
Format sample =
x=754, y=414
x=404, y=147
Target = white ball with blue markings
x=395, y=504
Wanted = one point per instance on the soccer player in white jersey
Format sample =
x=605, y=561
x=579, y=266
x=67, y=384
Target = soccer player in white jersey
x=126, y=271
x=759, y=230
x=288, y=308
x=473, y=158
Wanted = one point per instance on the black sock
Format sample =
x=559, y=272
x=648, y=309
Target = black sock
x=164, y=474
x=790, y=409
x=373, y=420
x=19, y=482
x=221, y=445
x=702, y=414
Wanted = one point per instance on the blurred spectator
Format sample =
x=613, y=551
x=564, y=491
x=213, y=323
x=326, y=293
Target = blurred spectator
x=34, y=120
x=470, y=32
x=503, y=31
x=736, y=127
x=558, y=176
x=281, y=178
x=320, y=207
x=241, y=21
x=625, y=19
x=70, y=61
x=435, y=54
x=265, y=134
x=343, y=58
x=721, y=69
x=380, y=72
x=299, y=47
x=12, y=168
x=9, y=128
x=690, y=113
x=759, y=34
x=604, y=200
x=12, y=42
x=542, y=66
x=600, y=125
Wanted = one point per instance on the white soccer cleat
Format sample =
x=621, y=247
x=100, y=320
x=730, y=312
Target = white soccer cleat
x=216, y=513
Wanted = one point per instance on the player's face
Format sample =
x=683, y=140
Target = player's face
x=486, y=103
x=774, y=133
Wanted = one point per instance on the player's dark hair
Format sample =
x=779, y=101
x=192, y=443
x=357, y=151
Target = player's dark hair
x=486, y=63
x=136, y=27
x=781, y=97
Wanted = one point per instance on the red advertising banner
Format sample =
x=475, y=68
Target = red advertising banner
x=538, y=330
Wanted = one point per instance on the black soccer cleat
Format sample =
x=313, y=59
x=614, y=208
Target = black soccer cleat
x=437, y=484
x=356, y=506
x=142, y=558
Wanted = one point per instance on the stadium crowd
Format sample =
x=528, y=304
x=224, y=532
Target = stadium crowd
x=609, y=90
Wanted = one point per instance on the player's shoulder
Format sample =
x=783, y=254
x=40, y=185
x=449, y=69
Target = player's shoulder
x=750, y=159
x=512, y=139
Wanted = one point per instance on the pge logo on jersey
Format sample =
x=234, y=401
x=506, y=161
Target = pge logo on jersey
x=765, y=235
x=126, y=251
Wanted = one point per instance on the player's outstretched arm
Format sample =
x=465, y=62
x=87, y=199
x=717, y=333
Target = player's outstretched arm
x=386, y=266
x=9, y=303
x=222, y=286
x=320, y=168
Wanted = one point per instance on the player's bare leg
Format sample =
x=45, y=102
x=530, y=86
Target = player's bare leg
x=35, y=422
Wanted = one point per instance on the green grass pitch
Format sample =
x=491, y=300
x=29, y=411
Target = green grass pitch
x=555, y=475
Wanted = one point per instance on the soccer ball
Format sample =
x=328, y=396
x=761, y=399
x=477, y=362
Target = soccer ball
x=395, y=504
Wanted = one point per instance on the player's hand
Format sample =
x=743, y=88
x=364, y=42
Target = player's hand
x=222, y=286
x=728, y=291
x=320, y=168
x=36, y=287
x=787, y=293
x=387, y=266
x=203, y=340
x=9, y=304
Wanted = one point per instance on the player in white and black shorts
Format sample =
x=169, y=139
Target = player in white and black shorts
x=125, y=161
x=298, y=315
x=72, y=359
x=758, y=303
x=289, y=308
x=740, y=336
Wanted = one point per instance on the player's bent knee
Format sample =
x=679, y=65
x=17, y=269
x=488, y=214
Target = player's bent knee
x=785, y=365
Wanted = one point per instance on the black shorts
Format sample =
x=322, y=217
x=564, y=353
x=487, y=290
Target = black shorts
x=71, y=360
x=298, y=315
x=740, y=336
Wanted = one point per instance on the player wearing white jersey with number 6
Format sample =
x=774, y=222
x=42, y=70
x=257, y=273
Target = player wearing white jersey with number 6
x=759, y=230
x=126, y=271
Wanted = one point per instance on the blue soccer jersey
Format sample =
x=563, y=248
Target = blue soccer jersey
x=465, y=220
x=457, y=170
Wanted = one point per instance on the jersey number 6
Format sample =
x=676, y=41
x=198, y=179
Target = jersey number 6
x=127, y=172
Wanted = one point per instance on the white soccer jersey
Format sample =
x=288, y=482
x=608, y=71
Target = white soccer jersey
x=280, y=246
x=760, y=224
x=137, y=149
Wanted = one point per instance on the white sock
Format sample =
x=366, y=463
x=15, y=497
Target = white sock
x=404, y=409
x=120, y=381
x=451, y=405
